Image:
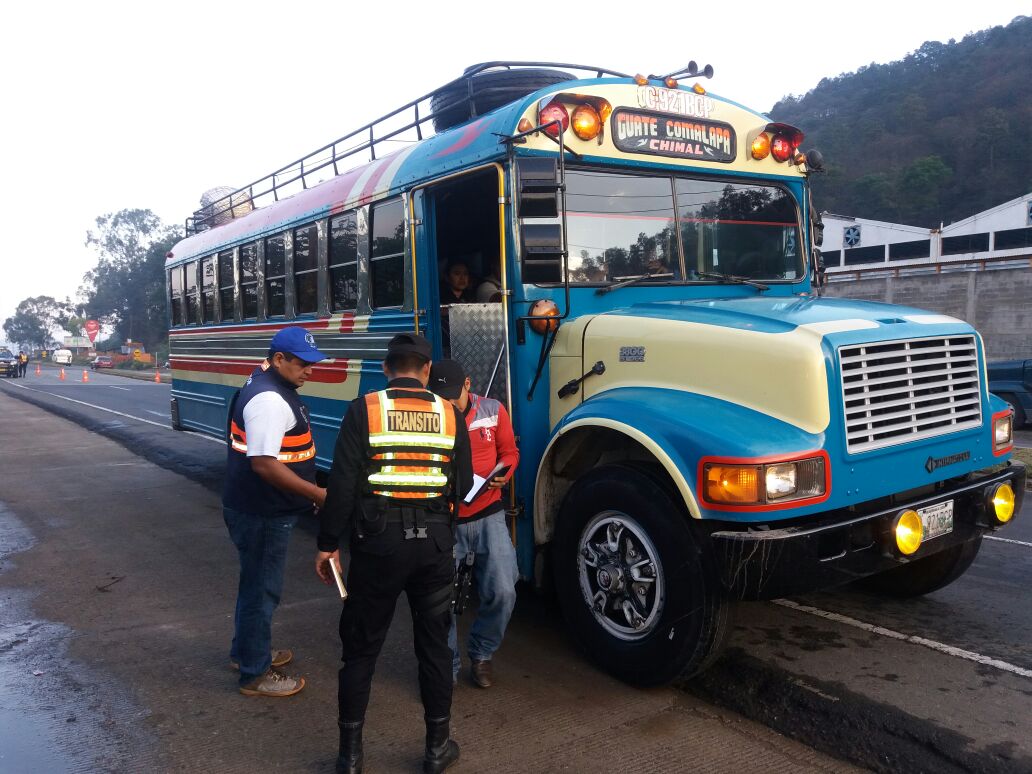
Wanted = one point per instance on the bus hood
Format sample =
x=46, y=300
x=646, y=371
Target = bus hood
x=775, y=355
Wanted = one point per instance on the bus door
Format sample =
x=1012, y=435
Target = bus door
x=463, y=248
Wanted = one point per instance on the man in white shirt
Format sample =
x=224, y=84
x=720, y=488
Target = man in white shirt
x=269, y=485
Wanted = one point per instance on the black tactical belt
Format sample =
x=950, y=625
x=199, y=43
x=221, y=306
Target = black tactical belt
x=414, y=520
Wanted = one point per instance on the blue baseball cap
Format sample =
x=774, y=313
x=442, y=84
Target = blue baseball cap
x=298, y=342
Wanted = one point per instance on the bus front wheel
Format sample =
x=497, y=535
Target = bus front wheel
x=637, y=588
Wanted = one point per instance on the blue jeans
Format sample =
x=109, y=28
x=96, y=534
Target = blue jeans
x=495, y=574
x=261, y=542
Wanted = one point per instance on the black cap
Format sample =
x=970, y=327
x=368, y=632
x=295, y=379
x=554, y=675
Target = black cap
x=447, y=378
x=409, y=343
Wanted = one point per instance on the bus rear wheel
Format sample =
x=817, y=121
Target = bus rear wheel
x=923, y=576
x=639, y=592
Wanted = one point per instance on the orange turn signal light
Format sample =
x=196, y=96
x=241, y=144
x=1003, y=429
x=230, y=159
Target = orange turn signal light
x=641, y=80
x=671, y=83
x=733, y=484
x=544, y=308
x=761, y=146
x=586, y=122
x=698, y=88
x=524, y=125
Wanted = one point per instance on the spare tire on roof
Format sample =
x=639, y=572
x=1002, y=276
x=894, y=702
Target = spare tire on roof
x=492, y=88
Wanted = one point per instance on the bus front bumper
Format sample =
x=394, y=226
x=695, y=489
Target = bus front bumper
x=849, y=544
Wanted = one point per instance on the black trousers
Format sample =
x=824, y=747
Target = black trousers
x=380, y=569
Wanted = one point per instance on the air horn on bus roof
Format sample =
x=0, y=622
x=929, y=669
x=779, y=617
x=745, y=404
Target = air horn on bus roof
x=691, y=71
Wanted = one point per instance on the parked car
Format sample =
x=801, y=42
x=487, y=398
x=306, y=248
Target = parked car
x=62, y=356
x=1012, y=381
x=8, y=363
x=102, y=361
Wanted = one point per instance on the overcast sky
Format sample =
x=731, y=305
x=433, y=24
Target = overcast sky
x=112, y=105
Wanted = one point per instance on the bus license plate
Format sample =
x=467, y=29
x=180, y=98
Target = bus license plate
x=937, y=519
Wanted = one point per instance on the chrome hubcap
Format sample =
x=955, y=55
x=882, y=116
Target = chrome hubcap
x=620, y=575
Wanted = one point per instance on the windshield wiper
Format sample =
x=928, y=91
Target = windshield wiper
x=733, y=278
x=630, y=281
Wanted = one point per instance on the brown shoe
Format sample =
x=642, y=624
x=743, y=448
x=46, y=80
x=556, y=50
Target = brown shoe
x=480, y=671
x=279, y=658
x=273, y=683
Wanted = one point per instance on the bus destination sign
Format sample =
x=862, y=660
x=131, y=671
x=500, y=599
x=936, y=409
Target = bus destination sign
x=661, y=134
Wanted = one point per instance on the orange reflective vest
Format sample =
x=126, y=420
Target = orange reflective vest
x=411, y=442
x=295, y=448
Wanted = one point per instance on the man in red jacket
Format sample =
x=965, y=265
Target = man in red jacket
x=482, y=530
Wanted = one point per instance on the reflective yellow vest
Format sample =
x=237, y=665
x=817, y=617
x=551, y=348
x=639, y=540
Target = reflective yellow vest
x=412, y=440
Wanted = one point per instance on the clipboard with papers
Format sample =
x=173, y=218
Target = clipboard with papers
x=481, y=484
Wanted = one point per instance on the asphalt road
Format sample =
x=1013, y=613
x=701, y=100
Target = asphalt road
x=117, y=582
x=941, y=683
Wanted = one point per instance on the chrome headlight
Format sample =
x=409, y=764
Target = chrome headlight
x=1003, y=431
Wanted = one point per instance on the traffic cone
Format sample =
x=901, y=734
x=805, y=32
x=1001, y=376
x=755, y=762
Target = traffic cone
x=85, y=376
x=157, y=376
x=38, y=370
x=61, y=377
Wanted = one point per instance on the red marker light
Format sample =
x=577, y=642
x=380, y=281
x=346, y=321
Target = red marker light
x=554, y=111
x=780, y=148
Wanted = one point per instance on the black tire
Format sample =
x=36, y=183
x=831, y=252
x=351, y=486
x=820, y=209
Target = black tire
x=491, y=89
x=923, y=576
x=1019, y=412
x=689, y=614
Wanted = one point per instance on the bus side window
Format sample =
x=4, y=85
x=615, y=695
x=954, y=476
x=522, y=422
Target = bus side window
x=344, y=262
x=208, y=289
x=175, y=279
x=275, y=276
x=191, y=293
x=387, y=258
x=249, y=280
x=226, y=282
x=306, y=269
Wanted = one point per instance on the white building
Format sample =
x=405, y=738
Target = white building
x=850, y=244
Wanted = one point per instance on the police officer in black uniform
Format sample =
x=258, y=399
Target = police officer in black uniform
x=401, y=463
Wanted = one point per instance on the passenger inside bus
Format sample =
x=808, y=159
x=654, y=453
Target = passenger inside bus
x=457, y=284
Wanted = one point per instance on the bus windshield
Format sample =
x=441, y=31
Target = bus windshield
x=678, y=229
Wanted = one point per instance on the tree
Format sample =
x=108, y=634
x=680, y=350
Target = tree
x=126, y=289
x=921, y=185
x=35, y=320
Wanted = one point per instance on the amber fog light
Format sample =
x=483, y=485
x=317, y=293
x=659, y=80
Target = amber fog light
x=1001, y=503
x=909, y=532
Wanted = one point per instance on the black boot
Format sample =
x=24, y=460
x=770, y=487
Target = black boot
x=441, y=749
x=349, y=760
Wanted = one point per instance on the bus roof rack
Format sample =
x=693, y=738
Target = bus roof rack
x=387, y=128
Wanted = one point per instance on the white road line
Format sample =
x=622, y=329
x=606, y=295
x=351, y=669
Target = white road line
x=158, y=413
x=119, y=413
x=1008, y=540
x=949, y=650
x=116, y=387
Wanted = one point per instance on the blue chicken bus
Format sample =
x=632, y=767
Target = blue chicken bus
x=698, y=424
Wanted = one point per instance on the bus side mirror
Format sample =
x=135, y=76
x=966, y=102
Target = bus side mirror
x=542, y=251
x=537, y=188
x=818, y=231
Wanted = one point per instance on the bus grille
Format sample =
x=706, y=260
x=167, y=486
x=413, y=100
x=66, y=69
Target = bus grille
x=901, y=391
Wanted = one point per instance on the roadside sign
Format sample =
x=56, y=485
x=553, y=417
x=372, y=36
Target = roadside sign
x=92, y=329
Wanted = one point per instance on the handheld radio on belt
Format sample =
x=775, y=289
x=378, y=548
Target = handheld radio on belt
x=463, y=584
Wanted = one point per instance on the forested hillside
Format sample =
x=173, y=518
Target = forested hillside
x=941, y=135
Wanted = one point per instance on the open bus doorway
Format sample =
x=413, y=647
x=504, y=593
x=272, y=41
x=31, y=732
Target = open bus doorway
x=470, y=324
